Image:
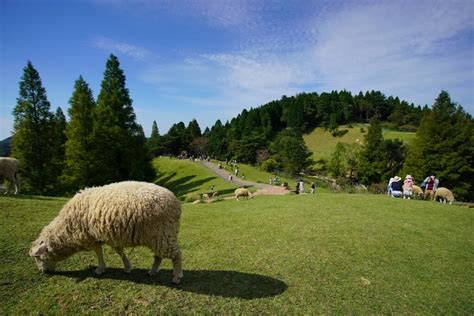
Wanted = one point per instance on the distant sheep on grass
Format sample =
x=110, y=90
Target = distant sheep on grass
x=444, y=195
x=242, y=192
x=9, y=170
x=124, y=214
x=417, y=191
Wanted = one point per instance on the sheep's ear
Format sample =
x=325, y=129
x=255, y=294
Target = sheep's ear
x=41, y=249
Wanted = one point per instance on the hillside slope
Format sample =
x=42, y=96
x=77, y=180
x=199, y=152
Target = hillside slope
x=188, y=179
x=322, y=143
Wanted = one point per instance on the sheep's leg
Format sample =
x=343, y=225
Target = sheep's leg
x=155, y=266
x=17, y=183
x=126, y=262
x=100, y=257
x=177, y=268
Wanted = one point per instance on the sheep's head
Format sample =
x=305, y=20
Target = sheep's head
x=41, y=252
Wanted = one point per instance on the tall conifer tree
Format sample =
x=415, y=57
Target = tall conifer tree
x=119, y=142
x=444, y=146
x=32, y=134
x=78, y=165
x=154, y=142
x=372, y=156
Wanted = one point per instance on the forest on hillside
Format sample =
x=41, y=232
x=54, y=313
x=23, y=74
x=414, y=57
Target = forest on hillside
x=102, y=142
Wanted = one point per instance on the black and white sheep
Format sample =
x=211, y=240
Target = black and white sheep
x=444, y=195
x=9, y=170
x=124, y=214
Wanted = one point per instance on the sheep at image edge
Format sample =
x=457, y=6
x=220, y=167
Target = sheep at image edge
x=9, y=170
x=124, y=214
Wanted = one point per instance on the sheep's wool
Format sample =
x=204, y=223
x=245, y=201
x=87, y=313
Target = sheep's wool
x=9, y=170
x=242, y=192
x=121, y=215
x=444, y=194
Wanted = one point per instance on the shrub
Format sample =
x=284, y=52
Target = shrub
x=269, y=165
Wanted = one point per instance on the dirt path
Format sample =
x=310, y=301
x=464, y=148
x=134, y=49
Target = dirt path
x=262, y=189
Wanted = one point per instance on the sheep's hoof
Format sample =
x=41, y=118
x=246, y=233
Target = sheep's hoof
x=128, y=271
x=151, y=273
x=176, y=281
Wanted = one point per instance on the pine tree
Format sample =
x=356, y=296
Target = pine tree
x=58, y=156
x=118, y=140
x=33, y=134
x=372, y=162
x=291, y=151
x=78, y=171
x=444, y=146
x=154, y=142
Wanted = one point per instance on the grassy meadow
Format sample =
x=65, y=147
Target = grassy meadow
x=188, y=179
x=254, y=174
x=294, y=254
x=322, y=144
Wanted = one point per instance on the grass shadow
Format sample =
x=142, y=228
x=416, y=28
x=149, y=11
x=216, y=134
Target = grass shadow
x=231, y=284
x=181, y=186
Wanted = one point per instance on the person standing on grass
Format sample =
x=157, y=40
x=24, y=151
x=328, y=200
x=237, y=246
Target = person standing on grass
x=301, y=186
x=313, y=187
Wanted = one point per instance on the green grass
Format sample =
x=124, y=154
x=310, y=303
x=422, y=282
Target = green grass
x=322, y=144
x=406, y=137
x=188, y=179
x=254, y=174
x=307, y=254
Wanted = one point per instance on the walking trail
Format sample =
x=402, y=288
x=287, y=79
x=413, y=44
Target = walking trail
x=262, y=189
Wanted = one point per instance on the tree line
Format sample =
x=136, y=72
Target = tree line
x=101, y=143
x=271, y=137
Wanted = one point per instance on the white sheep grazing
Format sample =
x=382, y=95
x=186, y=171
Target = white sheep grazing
x=443, y=195
x=242, y=192
x=417, y=191
x=9, y=170
x=124, y=214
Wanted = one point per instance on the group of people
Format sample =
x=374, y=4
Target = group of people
x=405, y=189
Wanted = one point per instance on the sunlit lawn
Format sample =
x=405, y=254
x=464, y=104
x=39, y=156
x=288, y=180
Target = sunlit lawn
x=297, y=254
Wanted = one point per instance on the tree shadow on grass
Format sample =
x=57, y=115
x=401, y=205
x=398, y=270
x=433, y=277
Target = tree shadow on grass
x=231, y=284
x=181, y=186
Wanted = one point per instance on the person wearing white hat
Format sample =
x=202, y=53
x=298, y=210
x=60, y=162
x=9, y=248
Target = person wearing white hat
x=396, y=187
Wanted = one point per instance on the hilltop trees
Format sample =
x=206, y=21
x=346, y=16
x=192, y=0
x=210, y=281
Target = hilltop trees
x=78, y=171
x=33, y=135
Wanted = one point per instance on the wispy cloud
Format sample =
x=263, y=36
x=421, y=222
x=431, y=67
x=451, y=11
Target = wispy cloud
x=408, y=48
x=133, y=51
x=413, y=49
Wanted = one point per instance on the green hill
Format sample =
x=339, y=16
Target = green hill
x=296, y=254
x=188, y=179
x=322, y=143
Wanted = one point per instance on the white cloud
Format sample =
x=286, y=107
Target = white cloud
x=133, y=51
x=405, y=48
x=401, y=48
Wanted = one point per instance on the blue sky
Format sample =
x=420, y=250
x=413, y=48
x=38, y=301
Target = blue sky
x=209, y=59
